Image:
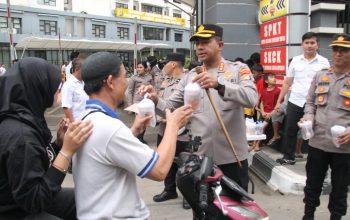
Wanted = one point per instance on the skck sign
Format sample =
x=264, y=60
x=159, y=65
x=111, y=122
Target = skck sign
x=274, y=60
x=270, y=9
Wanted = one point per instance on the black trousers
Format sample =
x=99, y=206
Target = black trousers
x=170, y=179
x=316, y=169
x=294, y=114
x=234, y=172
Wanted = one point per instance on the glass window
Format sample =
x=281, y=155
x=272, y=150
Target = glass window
x=16, y=24
x=153, y=33
x=176, y=13
x=48, y=27
x=152, y=9
x=344, y=19
x=124, y=56
x=99, y=31
x=121, y=5
x=123, y=33
x=178, y=37
x=47, y=2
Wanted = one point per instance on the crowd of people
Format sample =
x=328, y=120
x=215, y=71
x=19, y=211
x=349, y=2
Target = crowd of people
x=106, y=156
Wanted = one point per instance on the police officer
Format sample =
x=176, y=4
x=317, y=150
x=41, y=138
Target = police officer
x=328, y=104
x=143, y=77
x=232, y=88
x=156, y=72
x=173, y=69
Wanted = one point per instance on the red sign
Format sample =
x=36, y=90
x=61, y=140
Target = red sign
x=273, y=33
x=274, y=60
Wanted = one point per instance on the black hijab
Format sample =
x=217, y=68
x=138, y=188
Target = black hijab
x=26, y=90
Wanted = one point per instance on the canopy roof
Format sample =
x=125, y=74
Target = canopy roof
x=53, y=43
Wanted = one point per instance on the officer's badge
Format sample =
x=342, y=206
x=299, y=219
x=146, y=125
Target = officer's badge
x=340, y=38
x=200, y=28
x=228, y=75
x=322, y=89
x=348, y=82
x=346, y=93
x=321, y=98
x=325, y=79
x=246, y=77
x=347, y=102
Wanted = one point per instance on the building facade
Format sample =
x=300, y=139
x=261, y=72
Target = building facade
x=42, y=28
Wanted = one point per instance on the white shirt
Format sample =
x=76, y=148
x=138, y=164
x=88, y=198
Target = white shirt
x=105, y=170
x=2, y=70
x=303, y=72
x=68, y=73
x=74, y=97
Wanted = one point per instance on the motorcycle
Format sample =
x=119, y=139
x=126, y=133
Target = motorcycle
x=212, y=195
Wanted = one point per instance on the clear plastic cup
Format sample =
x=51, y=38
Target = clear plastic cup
x=192, y=95
x=306, y=129
x=336, y=130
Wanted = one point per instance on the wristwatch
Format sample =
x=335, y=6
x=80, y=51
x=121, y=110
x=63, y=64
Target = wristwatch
x=221, y=84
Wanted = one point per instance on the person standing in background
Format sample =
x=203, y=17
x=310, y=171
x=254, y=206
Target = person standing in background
x=73, y=95
x=143, y=77
x=300, y=73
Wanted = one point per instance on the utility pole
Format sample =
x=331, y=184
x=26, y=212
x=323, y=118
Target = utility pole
x=192, y=57
x=10, y=29
x=135, y=45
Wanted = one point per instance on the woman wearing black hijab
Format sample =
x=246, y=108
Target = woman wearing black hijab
x=31, y=169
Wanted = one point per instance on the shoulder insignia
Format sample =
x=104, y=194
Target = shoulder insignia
x=244, y=71
x=322, y=89
x=347, y=102
x=325, y=79
x=246, y=77
x=348, y=81
x=221, y=66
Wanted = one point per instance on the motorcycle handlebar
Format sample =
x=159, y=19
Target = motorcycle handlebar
x=203, y=195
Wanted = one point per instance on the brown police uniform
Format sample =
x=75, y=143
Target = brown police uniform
x=328, y=104
x=240, y=91
x=167, y=88
x=158, y=77
x=134, y=84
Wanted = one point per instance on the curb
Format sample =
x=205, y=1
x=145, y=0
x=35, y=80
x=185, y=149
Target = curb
x=277, y=177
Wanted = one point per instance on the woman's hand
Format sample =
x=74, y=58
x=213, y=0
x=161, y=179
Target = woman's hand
x=62, y=128
x=76, y=135
x=179, y=117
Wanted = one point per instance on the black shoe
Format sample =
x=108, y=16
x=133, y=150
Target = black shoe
x=185, y=204
x=284, y=161
x=164, y=196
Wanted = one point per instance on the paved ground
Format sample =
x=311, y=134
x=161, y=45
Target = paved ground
x=278, y=206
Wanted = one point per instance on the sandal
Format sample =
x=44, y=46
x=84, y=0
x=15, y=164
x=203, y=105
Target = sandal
x=272, y=141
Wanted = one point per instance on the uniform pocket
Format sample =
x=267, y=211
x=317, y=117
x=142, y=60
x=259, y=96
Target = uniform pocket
x=344, y=103
x=321, y=94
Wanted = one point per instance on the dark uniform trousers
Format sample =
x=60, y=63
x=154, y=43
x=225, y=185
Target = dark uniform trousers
x=236, y=173
x=294, y=114
x=170, y=179
x=316, y=168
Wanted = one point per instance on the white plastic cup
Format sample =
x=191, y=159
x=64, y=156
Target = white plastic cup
x=192, y=95
x=336, y=130
x=306, y=129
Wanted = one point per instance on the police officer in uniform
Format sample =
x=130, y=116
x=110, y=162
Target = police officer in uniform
x=156, y=72
x=328, y=104
x=232, y=88
x=143, y=77
x=173, y=69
